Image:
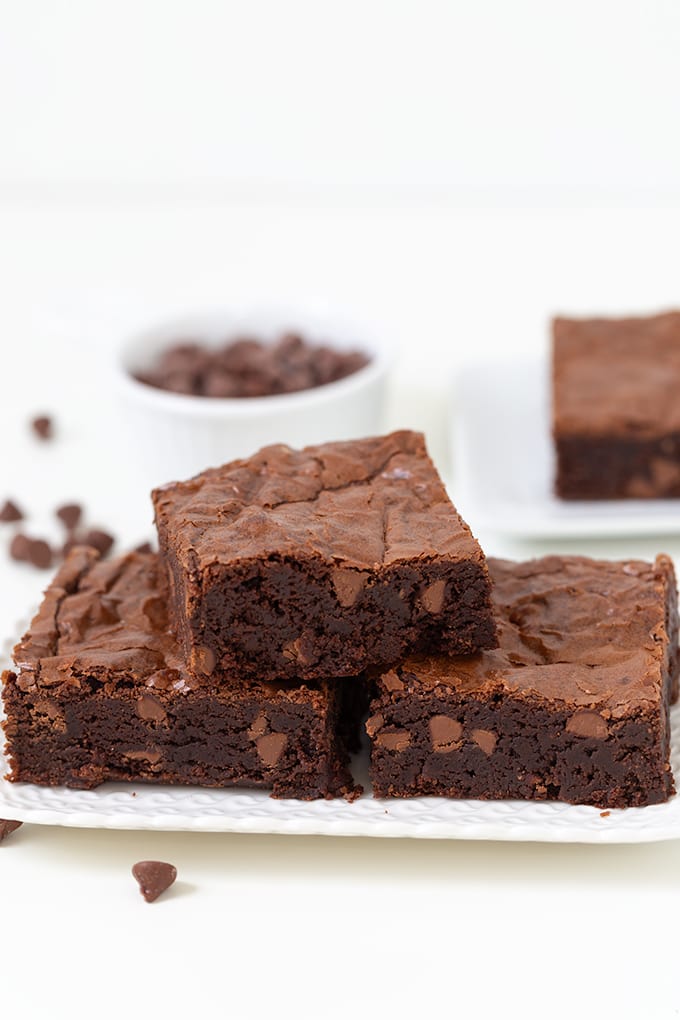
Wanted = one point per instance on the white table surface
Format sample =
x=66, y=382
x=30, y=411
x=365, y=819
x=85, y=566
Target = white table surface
x=260, y=926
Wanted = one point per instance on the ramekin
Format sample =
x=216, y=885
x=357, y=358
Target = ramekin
x=172, y=436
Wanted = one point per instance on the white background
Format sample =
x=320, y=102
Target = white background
x=452, y=173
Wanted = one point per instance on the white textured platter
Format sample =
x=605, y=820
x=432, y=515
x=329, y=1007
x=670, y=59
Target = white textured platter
x=504, y=463
x=122, y=806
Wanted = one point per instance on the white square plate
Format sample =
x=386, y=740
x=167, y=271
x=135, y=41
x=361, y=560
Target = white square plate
x=175, y=808
x=504, y=463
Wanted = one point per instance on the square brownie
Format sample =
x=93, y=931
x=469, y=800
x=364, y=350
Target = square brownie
x=100, y=693
x=616, y=413
x=573, y=705
x=320, y=562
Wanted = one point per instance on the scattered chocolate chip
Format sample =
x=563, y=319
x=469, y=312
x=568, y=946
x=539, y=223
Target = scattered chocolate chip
x=70, y=515
x=154, y=878
x=145, y=547
x=31, y=550
x=7, y=827
x=10, y=512
x=42, y=426
x=99, y=540
x=18, y=548
x=39, y=554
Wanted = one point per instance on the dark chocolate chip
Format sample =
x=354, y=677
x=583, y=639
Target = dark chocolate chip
x=154, y=878
x=7, y=827
x=145, y=547
x=10, y=512
x=99, y=540
x=18, y=548
x=39, y=553
x=250, y=368
x=70, y=515
x=42, y=426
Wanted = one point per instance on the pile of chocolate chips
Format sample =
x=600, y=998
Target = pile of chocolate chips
x=250, y=368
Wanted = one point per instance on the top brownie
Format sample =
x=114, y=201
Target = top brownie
x=617, y=376
x=321, y=562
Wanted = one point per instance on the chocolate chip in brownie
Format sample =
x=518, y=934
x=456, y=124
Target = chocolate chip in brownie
x=144, y=547
x=154, y=877
x=43, y=427
x=10, y=512
x=7, y=827
x=70, y=515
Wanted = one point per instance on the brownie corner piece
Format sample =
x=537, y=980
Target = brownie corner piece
x=573, y=705
x=615, y=413
x=100, y=692
x=321, y=562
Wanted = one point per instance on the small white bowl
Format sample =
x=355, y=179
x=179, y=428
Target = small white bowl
x=173, y=436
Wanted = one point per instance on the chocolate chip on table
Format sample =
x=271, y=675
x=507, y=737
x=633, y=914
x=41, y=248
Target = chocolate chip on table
x=18, y=548
x=42, y=426
x=70, y=514
x=7, y=827
x=10, y=512
x=102, y=541
x=39, y=553
x=31, y=550
x=154, y=877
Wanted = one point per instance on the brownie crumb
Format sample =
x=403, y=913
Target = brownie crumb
x=605, y=814
x=154, y=877
x=250, y=368
x=7, y=827
x=10, y=512
x=70, y=514
x=43, y=427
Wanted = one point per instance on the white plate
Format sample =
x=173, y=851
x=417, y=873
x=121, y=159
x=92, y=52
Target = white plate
x=504, y=463
x=138, y=806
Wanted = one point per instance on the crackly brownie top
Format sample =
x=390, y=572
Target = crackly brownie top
x=366, y=503
x=617, y=375
x=589, y=633
x=107, y=620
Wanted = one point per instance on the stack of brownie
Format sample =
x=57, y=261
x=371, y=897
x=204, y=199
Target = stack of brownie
x=291, y=589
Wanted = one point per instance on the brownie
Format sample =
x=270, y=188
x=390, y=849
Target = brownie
x=320, y=562
x=616, y=414
x=100, y=692
x=573, y=705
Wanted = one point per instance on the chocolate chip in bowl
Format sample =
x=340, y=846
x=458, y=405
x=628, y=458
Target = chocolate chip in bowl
x=216, y=387
x=245, y=368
